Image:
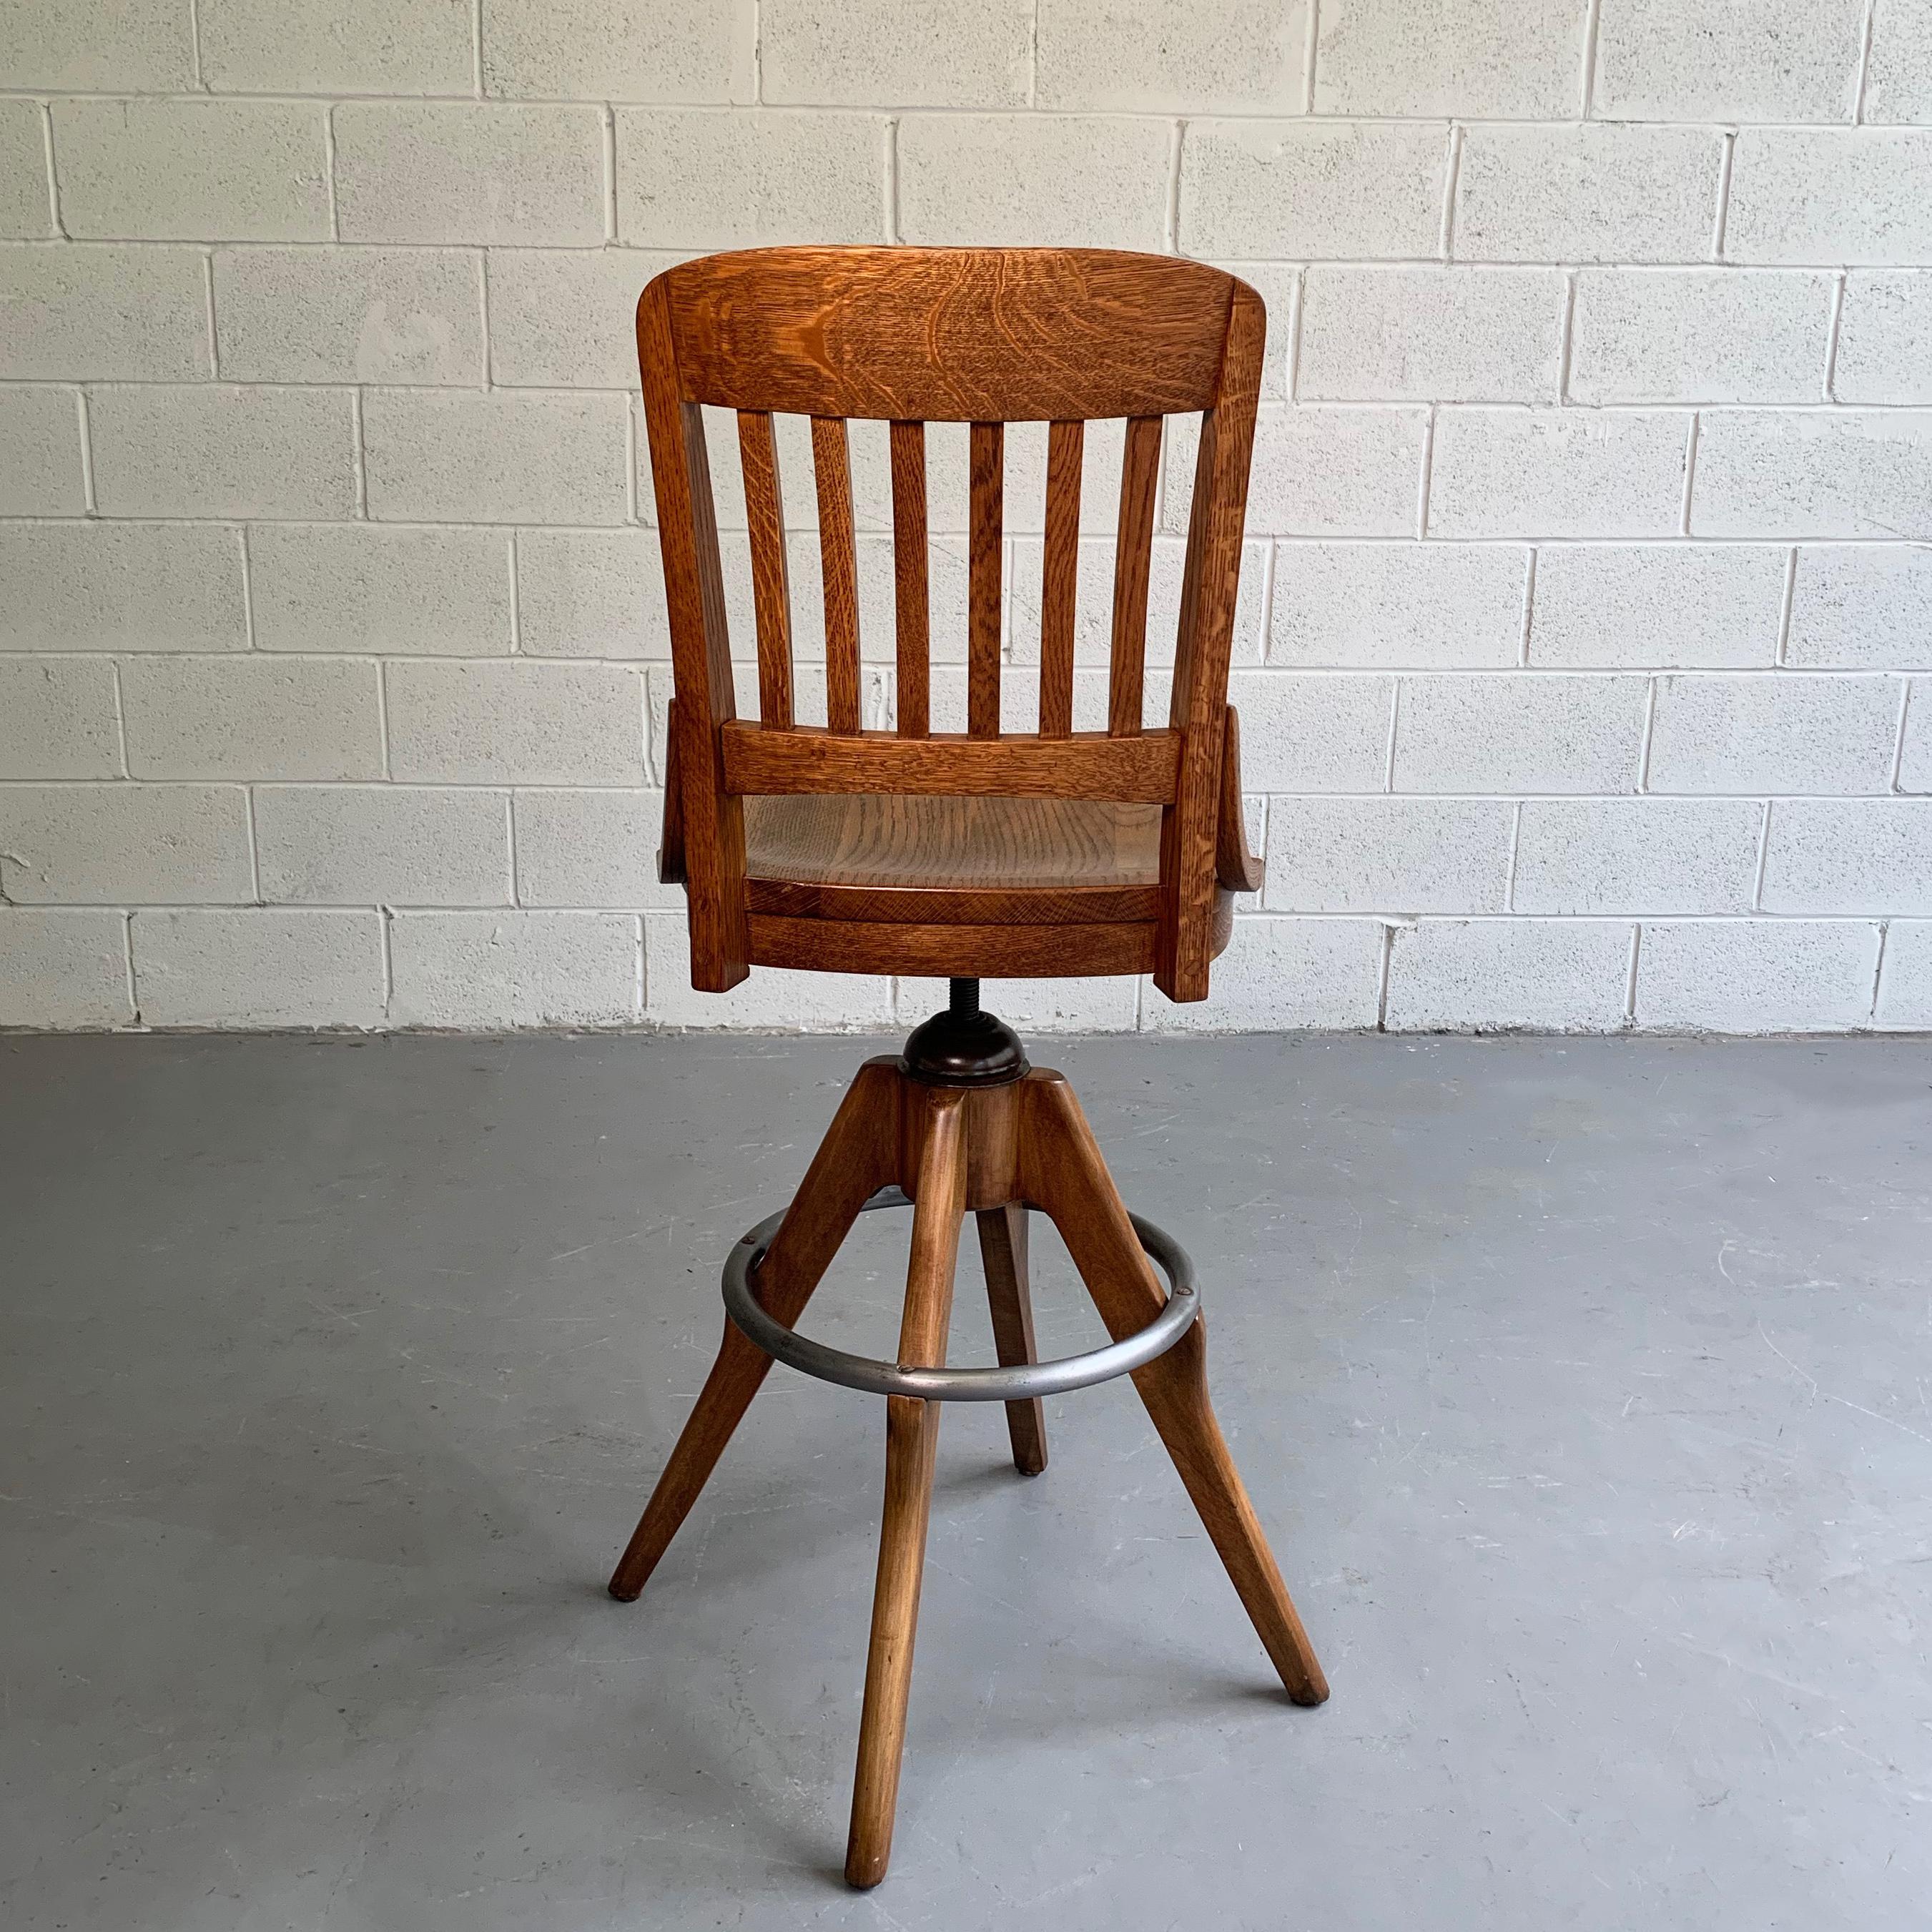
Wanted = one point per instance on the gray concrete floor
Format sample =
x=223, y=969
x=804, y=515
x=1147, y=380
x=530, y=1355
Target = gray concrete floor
x=1585, y=1386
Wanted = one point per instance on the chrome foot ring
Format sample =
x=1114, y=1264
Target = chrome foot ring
x=998, y=1385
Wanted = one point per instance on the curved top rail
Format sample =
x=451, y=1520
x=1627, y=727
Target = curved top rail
x=950, y=334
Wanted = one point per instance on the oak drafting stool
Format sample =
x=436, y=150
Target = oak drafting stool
x=920, y=852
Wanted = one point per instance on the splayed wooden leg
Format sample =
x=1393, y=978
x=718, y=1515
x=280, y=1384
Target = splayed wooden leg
x=858, y=1157
x=1002, y=1249
x=1062, y=1171
x=912, y=1437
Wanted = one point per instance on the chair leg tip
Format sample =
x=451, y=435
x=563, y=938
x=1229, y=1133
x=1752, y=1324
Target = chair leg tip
x=1308, y=1695
x=867, y=1855
x=624, y=1594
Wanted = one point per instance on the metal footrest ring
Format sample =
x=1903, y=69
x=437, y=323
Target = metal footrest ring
x=1018, y=1384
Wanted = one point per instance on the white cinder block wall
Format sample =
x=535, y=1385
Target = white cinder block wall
x=1585, y=649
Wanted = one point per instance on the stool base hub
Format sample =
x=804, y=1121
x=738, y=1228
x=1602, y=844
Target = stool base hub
x=963, y=1046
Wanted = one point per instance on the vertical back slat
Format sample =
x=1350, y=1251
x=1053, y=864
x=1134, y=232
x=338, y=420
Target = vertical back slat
x=832, y=467
x=1133, y=543
x=909, y=579
x=986, y=464
x=1059, y=577
x=771, y=588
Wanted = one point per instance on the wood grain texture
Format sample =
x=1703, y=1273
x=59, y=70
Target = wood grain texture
x=985, y=551
x=1133, y=550
x=771, y=587
x=869, y=839
x=949, y=335
x=1004, y=951
x=831, y=463
x=965, y=905
x=912, y=1436
x=1210, y=582
x=990, y=1131
x=913, y=642
x=1059, y=578
x=858, y=1155
x=1061, y=1169
x=1236, y=869
x=712, y=821
x=1089, y=764
x=1003, y=1253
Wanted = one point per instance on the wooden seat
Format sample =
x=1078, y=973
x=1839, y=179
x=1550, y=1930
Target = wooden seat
x=1048, y=853
x=977, y=877
x=1058, y=848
